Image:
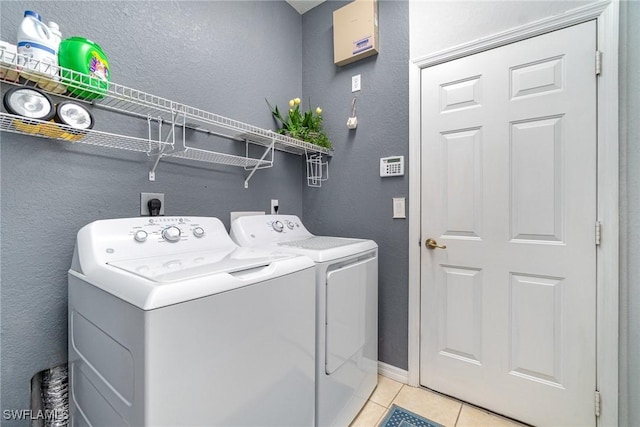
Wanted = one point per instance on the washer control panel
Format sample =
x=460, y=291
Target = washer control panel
x=265, y=229
x=282, y=225
x=150, y=236
x=172, y=230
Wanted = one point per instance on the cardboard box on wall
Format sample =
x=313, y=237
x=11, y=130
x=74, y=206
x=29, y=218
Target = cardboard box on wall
x=355, y=31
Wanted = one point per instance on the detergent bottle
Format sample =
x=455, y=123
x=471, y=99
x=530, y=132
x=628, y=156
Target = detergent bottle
x=86, y=65
x=53, y=84
x=37, y=46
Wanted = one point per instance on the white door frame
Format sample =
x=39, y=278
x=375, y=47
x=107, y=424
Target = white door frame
x=606, y=13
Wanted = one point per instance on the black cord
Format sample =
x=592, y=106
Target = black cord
x=154, y=207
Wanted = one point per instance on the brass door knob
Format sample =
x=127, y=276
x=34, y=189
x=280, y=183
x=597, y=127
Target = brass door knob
x=432, y=244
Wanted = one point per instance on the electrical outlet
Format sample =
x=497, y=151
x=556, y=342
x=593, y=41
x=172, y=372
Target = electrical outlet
x=144, y=199
x=355, y=83
x=274, y=206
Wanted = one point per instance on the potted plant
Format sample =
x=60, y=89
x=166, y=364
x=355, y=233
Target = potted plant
x=305, y=126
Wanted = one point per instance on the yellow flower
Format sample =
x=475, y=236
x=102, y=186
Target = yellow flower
x=291, y=110
x=291, y=103
x=318, y=111
x=297, y=101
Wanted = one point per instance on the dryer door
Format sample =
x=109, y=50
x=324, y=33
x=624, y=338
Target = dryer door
x=348, y=288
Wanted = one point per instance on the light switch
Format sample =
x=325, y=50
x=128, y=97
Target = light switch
x=355, y=83
x=399, y=207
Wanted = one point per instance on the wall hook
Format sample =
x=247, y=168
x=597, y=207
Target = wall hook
x=352, y=122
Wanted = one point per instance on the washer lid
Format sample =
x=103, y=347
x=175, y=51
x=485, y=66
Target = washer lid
x=326, y=248
x=319, y=243
x=287, y=233
x=184, y=266
x=167, y=283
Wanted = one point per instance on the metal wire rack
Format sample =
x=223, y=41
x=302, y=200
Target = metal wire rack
x=220, y=158
x=38, y=128
x=317, y=170
x=20, y=70
x=82, y=87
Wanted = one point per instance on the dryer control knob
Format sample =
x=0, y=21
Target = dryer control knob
x=198, y=231
x=171, y=234
x=140, y=236
x=290, y=225
x=278, y=226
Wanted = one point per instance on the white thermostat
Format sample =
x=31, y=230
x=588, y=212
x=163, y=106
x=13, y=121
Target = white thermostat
x=392, y=166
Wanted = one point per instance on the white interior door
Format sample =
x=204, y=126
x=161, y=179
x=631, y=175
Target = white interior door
x=508, y=309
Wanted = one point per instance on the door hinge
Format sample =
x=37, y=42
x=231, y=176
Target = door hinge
x=598, y=232
x=598, y=62
x=597, y=401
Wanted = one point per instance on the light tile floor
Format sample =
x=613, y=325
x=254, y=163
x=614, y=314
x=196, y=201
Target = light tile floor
x=433, y=406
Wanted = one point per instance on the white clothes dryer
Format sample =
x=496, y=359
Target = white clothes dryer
x=346, y=313
x=172, y=324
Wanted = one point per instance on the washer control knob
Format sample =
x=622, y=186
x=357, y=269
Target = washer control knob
x=290, y=225
x=140, y=236
x=198, y=232
x=278, y=226
x=171, y=234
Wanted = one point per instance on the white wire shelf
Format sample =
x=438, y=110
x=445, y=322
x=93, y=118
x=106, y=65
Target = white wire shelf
x=38, y=128
x=113, y=96
x=19, y=70
x=294, y=146
x=219, y=158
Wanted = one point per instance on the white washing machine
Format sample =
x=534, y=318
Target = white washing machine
x=172, y=324
x=347, y=309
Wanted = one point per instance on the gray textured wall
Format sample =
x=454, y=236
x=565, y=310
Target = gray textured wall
x=629, y=213
x=355, y=201
x=224, y=57
x=50, y=189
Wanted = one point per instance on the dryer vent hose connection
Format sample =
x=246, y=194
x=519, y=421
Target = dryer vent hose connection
x=55, y=396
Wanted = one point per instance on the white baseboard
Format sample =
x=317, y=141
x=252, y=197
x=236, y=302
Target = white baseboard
x=396, y=374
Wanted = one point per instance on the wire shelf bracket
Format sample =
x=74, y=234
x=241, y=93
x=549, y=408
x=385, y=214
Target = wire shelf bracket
x=262, y=163
x=162, y=145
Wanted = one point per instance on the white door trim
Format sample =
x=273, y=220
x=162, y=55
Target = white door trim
x=607, y=14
